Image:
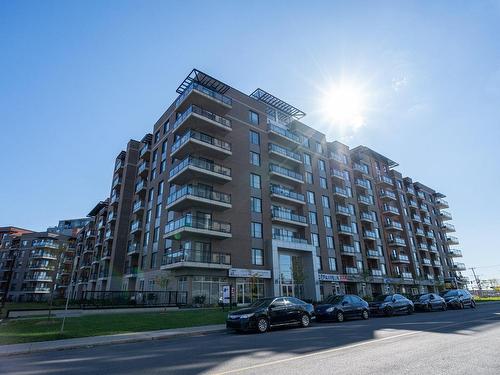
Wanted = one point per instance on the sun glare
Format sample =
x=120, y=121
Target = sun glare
x=343, y=105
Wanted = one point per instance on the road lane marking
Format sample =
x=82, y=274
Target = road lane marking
x=260, y=365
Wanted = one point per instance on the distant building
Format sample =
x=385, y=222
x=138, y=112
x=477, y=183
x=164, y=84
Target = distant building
x=69, y=227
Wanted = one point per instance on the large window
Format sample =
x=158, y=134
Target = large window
x=321, y=165
x=309, y=178
x=332, y=264
x=256, y=204
x=208, y=289
x=253, y=117
x=323, y=183
x=255, y=181
x=256, y=229
x=258, y=257
x=307, y=159
x=328, y=221
x=254, y=158
x=313, y=220
x=254, y=138
x=311, y=198
x=325, y=201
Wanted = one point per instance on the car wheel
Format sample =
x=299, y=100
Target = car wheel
x=262, y=325
x=409, y=310
x=388, y=311
x=305, y=320
x=444, y=307
x=340, y=316
x=365, y=315
x=472, y=304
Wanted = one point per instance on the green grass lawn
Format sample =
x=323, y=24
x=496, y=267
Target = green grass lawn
x=29, y=330
x=486, y=299
x=59, y=304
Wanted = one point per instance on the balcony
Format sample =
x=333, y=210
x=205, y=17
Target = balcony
x=365, y=199
x=45, y=244
x=396, y=241
x=419, y=232
x=145, y=151
x=345, y=230
x=288, y=217
x=448, y=227
x=41, y=266
x=194, y=196
x=190, y=258
x=362, y=183
x=143, y=169
x=437, y=263
x=340, y=192
x=400, y=258
x=85, y=265
x=43, y=255
x=108, y=235
x=393, y=225
x=368, y=217
x=426, y=261
x=376, y=272
x=104, y=274
x=192, y=167
x=196, y=118
x=370, y=235
x=106, y=254
x=410, y=191
x=361, y=168
x=38, y=278
x=423, y=208
x=386, y=180
x=351, y=270
x=452, y=240
x=416, y=218
x=427, y=220
x=296, y=239
x=135, y=226
x=284, y=134
x=458, y=267
x=454, y=253
x=342, y=210
x=387, y=194
x=429, y=277
x=390, y=210
x=348, y=250
x=111, y=217
x=338, y=157
x=280, y=192
x=421, y=194
x=337, y=173
x=283, y=154
x=130, y=272
x=138, y=206
x=202, y=144
x=370, y=253
x=38, y=289
x=115, y=198
x=140, y=186
x=432, y=248
x=116, y=181
x=91, y=233
x=430, y=235
x=441, y=203
x=191, y=226
x=288, y=174
x=422, y=246
x=133, y=248
x=203, y=97
x=119, y=165
x=445, y=215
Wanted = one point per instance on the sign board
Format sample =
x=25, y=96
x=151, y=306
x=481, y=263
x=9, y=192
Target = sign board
x=226, y=294
x=328, y=277
x=243, y=272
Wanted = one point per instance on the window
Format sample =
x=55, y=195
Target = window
x=323, y=183
x=254, y=138
x=145, y=242
x=253, y=117
x=254, y=158
x=311, y=198
x=255, y=181
x=307, y=159
x=255, y=204
x=157, y=136
x=164, y=149
x=315, y=239
x=309, y=178
x=153, y=174
x=156, y=235
x=306, y=142
x=155, y=156
x=319, y=148
x=360, y=265
x=332, y=264
x=313, y=220
x=256, y=230
x=325, y=201
x=148, y=216
x=158, y=211
x=329, y=242
x=150, y=194
x=166, y=127
x=153, y=259
x=328, y=221
x=163, y=165
x=258, y=257
x=321, y=165
x=160, y=188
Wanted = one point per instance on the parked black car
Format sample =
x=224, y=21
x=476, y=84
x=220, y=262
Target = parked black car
x=270, y=312
x=429, y=302
x=342, y=307
x=390, y=304
x=458, y=298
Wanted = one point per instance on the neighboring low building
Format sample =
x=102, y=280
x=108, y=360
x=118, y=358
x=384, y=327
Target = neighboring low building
x=69, y=227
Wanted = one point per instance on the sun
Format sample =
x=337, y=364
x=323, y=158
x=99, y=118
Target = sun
x=344, y=105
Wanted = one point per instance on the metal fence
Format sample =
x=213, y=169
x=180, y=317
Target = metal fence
x=89, y=299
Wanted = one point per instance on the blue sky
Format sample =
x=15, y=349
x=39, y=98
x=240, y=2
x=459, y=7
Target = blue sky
x=79, y=79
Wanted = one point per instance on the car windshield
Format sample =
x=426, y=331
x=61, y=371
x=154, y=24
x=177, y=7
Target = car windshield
x=451, y=293
x=334, y=300
x=418, y=297
x=264, y=302
x=383, y=298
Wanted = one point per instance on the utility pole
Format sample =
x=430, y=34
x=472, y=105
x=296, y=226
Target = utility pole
x=478, y=282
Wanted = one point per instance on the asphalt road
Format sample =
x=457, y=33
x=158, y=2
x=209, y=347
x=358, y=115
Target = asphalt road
x=451, y=342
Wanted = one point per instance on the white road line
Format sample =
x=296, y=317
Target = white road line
x=341, y=348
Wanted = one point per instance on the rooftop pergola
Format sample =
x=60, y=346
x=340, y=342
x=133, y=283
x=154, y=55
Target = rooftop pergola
x=277, y=103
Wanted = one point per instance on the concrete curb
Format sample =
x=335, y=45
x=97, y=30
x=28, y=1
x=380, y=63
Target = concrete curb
x=88, y=342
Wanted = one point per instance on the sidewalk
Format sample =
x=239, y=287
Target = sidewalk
x=84, y=342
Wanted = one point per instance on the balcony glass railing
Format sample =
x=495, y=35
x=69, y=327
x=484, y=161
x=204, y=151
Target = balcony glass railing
x=363, y=183
x=366, y=199
x=360, y=168
x=426, y=261
x=348, y=249
x=205, y=138
x=375, y=272
x=284, y=133
x=203, y=113
x=199, y=163
x=344, y=228
x=373, y=253
x=367, y=216
x=48, y=244
x=402, y=257
x=284, y=151
x=283, y=192
x=198, y=223
x=287, y=215
x=340, y=191
x=410, y=190
x=398, y=241
x=43, y=254
x=387, y=194
x=144, y=150
x=394, y=224
x=351, y=270
x=338, y=173
x=136, y=225
x=386, y=179
x=199, y=192
x=137, y=206
x=370, y=234
x=338, y=157
x=389, y=208
x=285, y=171
x=342, y=209
x=406, y=275
x=194, y=86
x=290, y=238
x=196, y=256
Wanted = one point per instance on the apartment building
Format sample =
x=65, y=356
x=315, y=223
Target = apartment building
x=32, y=265
x=234, y=189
